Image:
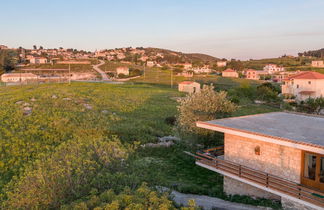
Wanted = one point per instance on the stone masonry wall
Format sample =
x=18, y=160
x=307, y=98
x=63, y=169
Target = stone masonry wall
x=282, y=161
x=291, y=205
x=234, y=187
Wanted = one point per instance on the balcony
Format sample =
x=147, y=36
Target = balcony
x=213, y=160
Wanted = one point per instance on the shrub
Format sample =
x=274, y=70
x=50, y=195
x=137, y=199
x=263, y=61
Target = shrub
x=202, y=106
x=311, y=105
x=171, y=120
x=141, y=198
x=63, y=176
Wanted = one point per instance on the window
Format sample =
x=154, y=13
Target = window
x=297, y=86
x=309, y=82
x=310, y=166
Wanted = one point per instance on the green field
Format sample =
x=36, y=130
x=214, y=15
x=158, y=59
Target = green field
x=134, y=113
x=111, y=66
x=163, y=77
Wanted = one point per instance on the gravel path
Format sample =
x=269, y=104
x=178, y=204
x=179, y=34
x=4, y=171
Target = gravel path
x=209, y=203
x=102, y=73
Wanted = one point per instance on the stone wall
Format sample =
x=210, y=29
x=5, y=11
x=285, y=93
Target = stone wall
x=274, y=159
x=234, y=187
x=292, y=205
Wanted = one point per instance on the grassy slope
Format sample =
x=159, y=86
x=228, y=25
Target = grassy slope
x=135, y=113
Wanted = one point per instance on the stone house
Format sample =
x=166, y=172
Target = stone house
x=122, y=70
x=281, y=162
x=18, y=77
x=230, y=73
x=304, y=85
x=189, y=87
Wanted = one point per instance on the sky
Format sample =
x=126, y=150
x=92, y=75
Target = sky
x=241, y=29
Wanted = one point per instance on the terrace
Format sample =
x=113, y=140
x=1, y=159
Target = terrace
x=213, y=159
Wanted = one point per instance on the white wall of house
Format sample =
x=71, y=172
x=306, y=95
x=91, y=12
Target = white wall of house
x=295, y=86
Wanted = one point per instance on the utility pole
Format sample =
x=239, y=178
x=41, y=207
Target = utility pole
x=69, y=74
x=144, y=71
x=171, y=78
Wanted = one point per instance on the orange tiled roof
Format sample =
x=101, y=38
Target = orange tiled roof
x=307, y=75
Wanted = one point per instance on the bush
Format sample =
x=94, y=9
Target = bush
x=135, y=72
x=141, y=198
x=312, y=106
x=122, y=76
x=203, y=106
x=267, y=92
x=171, y=120
x=64, y=175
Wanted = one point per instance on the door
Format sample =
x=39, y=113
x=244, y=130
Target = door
x=313, y=170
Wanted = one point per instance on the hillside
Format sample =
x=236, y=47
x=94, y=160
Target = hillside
x=182, y=57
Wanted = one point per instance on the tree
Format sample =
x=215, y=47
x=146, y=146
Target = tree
x=236, y=64
x=35, y=47
x=203, y=106
x=8, y=59
x=41, y=47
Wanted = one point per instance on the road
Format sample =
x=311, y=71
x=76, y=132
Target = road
x=102, y=73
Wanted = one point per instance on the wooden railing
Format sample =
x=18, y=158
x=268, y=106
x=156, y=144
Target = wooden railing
x=210, y=157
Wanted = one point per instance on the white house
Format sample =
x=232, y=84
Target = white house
x=305, y=85
x=18, y=77
x=202, y=70
x=221, y=63
x=273, y=68
x=122, y=70
x=150, y=63
x=37, y=60
x=187, y=66
x=189, y=87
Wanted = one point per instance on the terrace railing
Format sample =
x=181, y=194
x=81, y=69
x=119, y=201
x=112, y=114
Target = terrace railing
x=210, y=157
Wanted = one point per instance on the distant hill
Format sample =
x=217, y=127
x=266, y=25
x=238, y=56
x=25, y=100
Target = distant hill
x=179, y=57
x=203, y=57
x=314, y=53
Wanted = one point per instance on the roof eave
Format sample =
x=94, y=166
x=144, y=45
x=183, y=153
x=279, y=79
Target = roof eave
x=262, y=137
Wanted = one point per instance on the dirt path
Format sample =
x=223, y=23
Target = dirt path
x=209, y=203
x=102, y=73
